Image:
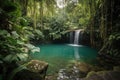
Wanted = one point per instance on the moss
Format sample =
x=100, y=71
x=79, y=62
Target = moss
x=102, y=73
x=83, y=67
x=116, y=68
x=96, y=68
x=36, y=65
x=91, y=73
x=95, y=75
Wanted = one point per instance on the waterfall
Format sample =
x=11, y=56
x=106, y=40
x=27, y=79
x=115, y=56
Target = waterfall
x=76, y=38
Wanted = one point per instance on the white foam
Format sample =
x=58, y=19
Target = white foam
x=75, y=45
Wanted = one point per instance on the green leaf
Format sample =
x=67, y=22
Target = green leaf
x=35, y=49
x=15, y=35
x=20, y=42
x=8, y=58
x=22, y=56
x=3, y=32
x=29, y=46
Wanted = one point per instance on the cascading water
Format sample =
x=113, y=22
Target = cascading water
x=76, y=39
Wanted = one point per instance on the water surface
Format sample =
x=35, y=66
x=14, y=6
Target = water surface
x=60, y=56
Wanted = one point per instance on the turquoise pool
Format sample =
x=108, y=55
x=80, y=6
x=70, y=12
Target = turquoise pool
x=61, y=55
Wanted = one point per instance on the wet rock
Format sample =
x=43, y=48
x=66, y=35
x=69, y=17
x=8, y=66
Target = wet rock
x=83, y=67
x=116, y=68
x=51, y=77
x=103, y=75
x=36, y=70
x=71, y=74
x=93, y=76
x=83, y=71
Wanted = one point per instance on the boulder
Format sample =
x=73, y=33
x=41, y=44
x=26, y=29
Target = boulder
x=103, y=75
x=36, y=70
x=83, y=67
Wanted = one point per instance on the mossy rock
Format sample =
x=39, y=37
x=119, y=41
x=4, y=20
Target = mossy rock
x=93, y=76
x=116, y=68
x=103, y=75
x=83, y=67
x=36, y=70
x=37, y=66
x=90, y=74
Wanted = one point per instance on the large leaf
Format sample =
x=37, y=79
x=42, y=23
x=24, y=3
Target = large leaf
x=15, y=35
x=35, y=49
x=20, y=42
x=22, y=56
x=3, y=32
x=10, y=58
x=32, y=48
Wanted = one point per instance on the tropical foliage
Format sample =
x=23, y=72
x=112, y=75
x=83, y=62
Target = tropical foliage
x=14, y=36
x=23, y=22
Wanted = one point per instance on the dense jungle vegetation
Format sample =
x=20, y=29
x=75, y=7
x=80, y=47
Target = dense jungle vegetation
x=24, y=23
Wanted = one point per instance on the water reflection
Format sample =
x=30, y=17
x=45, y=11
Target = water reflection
x=76, y=53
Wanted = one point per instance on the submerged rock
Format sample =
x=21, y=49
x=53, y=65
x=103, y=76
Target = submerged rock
x=83, y=71
x=83, y=67
x=71, y=74
x=92, y=75
x=77, y=71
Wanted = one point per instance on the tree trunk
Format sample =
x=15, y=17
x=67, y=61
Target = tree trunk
x=41, y=14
